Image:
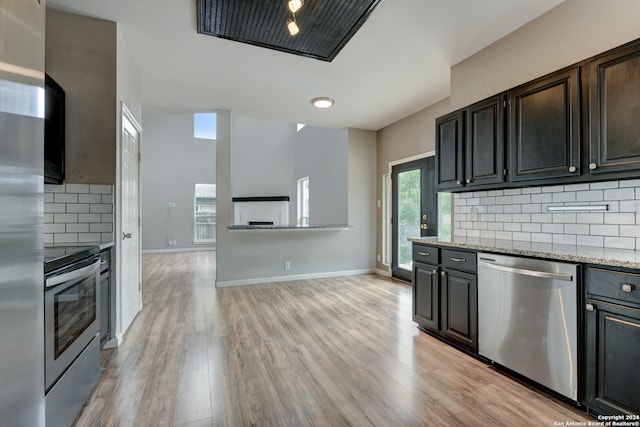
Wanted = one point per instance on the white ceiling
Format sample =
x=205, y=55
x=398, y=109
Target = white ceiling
x=398, y=62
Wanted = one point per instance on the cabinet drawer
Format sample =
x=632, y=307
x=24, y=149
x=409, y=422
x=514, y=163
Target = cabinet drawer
x=425, y=254
x=459, y=260
x=614, y=284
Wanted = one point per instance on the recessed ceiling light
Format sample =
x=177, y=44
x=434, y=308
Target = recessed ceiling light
x=322, y=102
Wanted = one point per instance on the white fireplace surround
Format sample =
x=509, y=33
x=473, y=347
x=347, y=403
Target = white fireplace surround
x=260, y=211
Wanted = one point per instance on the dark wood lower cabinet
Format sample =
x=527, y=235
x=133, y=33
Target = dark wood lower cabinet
x=445, y=300
x=612, y=357
x=426, y=296
x=460, y=308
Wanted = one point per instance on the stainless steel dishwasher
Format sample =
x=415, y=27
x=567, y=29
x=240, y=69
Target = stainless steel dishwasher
x=527, y=318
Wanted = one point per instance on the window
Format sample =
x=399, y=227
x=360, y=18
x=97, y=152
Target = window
x=204, y=126
x=205, y=213
x=386, y=218
x=303, y=201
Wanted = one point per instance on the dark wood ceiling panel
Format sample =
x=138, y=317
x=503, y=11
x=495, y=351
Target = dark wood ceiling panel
x=325, y=25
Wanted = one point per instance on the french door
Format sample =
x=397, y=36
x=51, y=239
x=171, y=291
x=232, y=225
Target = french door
x=414, y=209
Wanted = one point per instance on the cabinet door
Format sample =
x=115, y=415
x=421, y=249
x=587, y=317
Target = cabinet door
x=460, y=308
x=614, y=98
x=426, y=296
x=544, y=123
x=613, y=347
x=484, y=143
x=449, y=151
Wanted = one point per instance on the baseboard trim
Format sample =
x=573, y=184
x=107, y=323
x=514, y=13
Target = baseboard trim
x=228, y=283
x=156, y=251
x=384, y=273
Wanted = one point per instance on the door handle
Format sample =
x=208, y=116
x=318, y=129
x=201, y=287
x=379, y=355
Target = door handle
x=424, y=226
x=126, y=236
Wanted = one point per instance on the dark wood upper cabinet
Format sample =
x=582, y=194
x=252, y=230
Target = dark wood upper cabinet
x=544, y=123
x=614, y=108
x=450, y=151
x=484, y=143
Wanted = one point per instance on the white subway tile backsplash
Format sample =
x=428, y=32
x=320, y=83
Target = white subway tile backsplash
x=100, y=189
x=77, y=208
x=532, y=228
x=542, y=217
x=590, y=218
x=532, y=208
x=532, y=190
x=620, y=242
x=564, y=239
x=602, y=185
x=564, y=218
x=630, y=231
x=77, y=188
x=65, y=218
x=504, y=235
x=553, y=189
x=567, y=196
x=90, y=198
x=541, y=198
x=78, y=213
x=541, y=237
x=619, y=218
x=590, y=196
x=576, y=187
x=629, y=183
x=576, y=228
x=620, y=194
x=523, y=237
x=597, y=241
x=604, y=230
x=521, y=214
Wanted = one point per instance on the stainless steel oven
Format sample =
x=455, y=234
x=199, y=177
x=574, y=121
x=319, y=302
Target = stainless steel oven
x=72, y=338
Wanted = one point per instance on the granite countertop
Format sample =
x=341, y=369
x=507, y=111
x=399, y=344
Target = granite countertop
x=290, y=227
x=569, y=253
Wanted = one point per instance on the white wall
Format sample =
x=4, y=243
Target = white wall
x=571, y=32
x=322, y=155
x=173, y=161
x=262, y=157
x=258, y=256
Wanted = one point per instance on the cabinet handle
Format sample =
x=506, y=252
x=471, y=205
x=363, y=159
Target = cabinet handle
x=424, y=253
x=468, y=181
x=592, y=166
x=590, y=307
x=572, y=168
x=443, y=273
x=435, y=271
x=458, y=259
x=458, y=182
x=626, y=287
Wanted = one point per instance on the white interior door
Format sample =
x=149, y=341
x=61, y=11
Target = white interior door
x=130, y=255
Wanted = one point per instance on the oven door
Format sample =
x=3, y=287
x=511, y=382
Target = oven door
x=72, y=313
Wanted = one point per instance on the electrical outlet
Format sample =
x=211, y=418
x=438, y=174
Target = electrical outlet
x=473, y=214
x=287, y=265
x=378, y=257
x=172, y=204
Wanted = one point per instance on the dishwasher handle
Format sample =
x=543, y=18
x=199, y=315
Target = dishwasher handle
x=528, y=272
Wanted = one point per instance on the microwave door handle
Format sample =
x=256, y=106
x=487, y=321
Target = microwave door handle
x=72, y=275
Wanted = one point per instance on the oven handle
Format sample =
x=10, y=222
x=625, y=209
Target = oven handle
x=73, y=275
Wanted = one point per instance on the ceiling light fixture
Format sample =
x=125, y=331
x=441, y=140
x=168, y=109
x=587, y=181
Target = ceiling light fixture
x=323, y=102
x=292, y=25
x=295, y=5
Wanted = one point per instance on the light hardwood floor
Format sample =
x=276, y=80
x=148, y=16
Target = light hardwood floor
x=326, y=352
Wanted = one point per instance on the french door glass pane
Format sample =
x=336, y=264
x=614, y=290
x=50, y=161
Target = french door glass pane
x=408, y=222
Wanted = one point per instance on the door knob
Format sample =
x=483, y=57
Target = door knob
x=424, y=217
x=424, y=226
x=126, y=236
